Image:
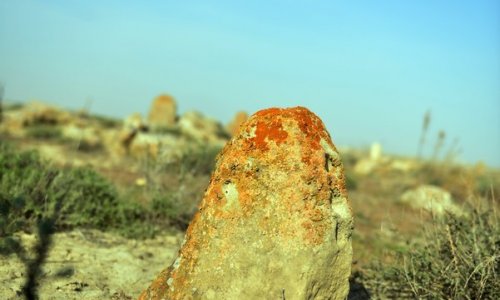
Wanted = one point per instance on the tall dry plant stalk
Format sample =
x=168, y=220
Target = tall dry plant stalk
x=425, y=127
x=439, y=144
x=453, y=151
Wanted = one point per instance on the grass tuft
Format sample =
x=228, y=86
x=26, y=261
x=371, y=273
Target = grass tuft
x=458, y=258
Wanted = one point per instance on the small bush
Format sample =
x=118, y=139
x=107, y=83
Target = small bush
x=107, y=122
x=13, y=106
x=433, y=173
x=44, y=132
x=351, y=182
x=488, y=184
x=168, y=130
x=89, y=199
x=459, y=259
x=456, y=179
x=30, y=190
x=199, y=160
x=172, y=209
x=85, y=146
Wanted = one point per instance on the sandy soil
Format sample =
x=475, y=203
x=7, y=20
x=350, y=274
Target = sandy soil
x=89, y=264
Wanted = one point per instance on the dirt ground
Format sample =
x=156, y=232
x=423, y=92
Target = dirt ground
x=89, y=264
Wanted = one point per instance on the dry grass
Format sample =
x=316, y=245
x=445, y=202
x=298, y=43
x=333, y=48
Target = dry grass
x=458, y=258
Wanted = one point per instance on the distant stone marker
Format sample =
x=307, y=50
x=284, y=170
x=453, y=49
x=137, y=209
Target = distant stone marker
x=233, y=127
x=163, y=112
x=275, y=221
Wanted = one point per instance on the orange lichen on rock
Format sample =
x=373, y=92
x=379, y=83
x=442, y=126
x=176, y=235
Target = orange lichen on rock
x=270, y=128
x=269, y=131
x=274, y=217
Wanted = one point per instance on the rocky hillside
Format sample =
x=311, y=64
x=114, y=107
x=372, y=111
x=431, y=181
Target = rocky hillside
x=120, y=194
x=162, y=135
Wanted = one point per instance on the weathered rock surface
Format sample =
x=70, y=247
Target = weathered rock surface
x=431, y=198
x=275, y=221
x=233, y=127
x=163, y=112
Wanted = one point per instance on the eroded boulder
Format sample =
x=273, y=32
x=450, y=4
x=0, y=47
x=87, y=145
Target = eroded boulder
x=275, y=221
x=431, y=198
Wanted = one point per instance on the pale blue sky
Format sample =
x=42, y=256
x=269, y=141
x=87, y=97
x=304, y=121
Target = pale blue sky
x=369, y=69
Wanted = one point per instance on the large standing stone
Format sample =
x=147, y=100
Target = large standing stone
x=163, y=112
x=275, y=221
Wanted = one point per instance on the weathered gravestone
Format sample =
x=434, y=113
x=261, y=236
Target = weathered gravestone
x=275, y=221
x=163, y=112
x=239, y=118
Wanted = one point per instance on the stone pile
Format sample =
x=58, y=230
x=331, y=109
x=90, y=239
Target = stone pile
x=275, y=221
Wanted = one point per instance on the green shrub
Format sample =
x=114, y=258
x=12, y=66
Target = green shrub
x=44, y=132
x=169, y=204
x=29, y=189
x=459, y=259
x=168, y=209
x=9, y=224
x=32, y=190
x=13, y=106
x=488, y=184
x=107, y=122
x=351, y=181
x=89, y=199
x=134, y=220
x=19, y=176
x=199, y=160
x=433, y=173
x=168, y=130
